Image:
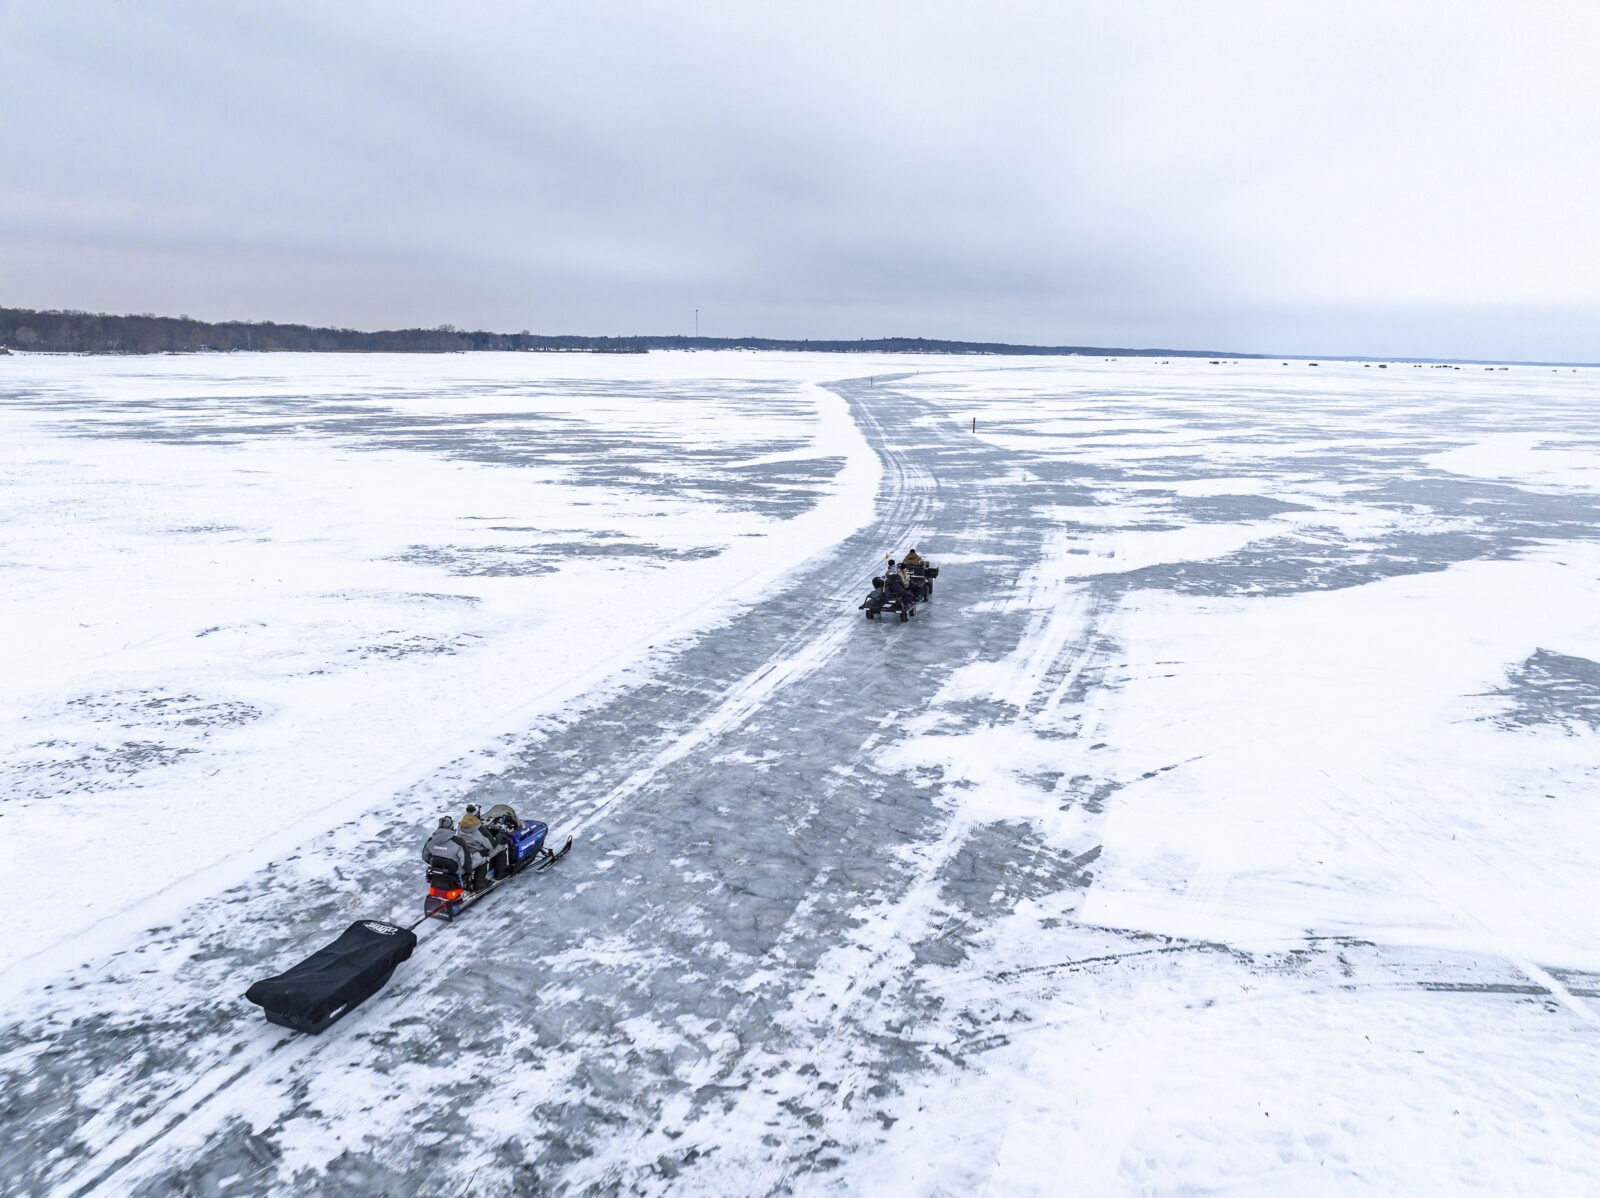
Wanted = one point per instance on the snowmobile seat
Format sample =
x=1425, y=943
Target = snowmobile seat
x=444, y=874
x=444, y=867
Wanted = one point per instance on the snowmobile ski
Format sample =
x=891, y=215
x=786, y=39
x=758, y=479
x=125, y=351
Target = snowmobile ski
x=547, y=862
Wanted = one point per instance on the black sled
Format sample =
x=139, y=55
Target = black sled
x=880, y=601
x=310, y=996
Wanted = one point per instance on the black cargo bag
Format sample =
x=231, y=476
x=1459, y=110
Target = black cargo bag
x=310, y=996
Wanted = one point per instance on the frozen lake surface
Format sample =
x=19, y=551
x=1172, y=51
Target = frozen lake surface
x=1225, y=823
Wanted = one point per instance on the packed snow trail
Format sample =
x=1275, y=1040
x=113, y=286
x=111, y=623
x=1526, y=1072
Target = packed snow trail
x=821, y=929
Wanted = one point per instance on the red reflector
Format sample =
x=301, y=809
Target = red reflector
x=448, y=895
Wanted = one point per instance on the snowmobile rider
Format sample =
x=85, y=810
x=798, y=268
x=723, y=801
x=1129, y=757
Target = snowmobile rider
x=484, y=854
x=445, y=847
x=915, y=568
x=498, y=832
x=467, y=852
x=896, y=583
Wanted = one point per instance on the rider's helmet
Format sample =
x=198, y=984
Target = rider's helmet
x=472, y=809
x=446, y=822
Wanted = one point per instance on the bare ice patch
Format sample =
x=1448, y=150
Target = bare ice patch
x=1549, y=689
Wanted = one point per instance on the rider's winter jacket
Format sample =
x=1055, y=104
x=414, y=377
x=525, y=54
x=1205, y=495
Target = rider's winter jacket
x=912, y=559
x=444, y=843
x=468, y=822
x=476, y=843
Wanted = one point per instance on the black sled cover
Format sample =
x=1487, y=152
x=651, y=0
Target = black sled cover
x=311, y=995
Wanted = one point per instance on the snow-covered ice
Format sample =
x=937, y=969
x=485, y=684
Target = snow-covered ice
x=1223, y=825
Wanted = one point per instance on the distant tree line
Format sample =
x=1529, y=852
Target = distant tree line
x=98, y=333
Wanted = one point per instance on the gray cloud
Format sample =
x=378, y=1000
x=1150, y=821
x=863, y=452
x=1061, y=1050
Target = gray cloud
x=1356, y=178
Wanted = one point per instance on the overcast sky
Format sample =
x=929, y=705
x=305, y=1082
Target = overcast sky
x=1383, y=178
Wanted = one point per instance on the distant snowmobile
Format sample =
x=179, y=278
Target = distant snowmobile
x=331, y=982
x=900, y=589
